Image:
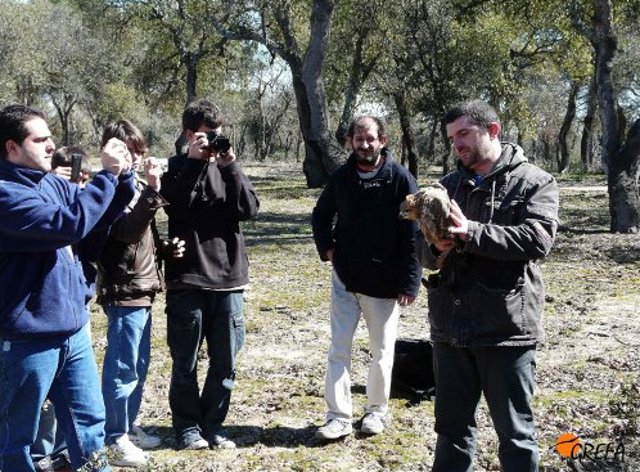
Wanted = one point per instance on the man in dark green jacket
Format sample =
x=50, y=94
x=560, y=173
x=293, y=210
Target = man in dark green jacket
x=486, y=300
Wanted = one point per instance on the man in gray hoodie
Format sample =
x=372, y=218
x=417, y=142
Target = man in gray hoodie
x=486, y=299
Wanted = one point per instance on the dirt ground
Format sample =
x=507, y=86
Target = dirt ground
x=587, y=371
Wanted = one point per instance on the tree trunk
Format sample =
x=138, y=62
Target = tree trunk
x=570, y=114
x=408, y=134
x=546, y=150
x=191, y=78
x=191, y=64
x=322, y=155
x=431, y=150
x=623, y=200
x=586, y=142
x=357, y=75
x=624, y=175
x=63, y=109
x=321, y=158
x=347, y=113
x=447, y=147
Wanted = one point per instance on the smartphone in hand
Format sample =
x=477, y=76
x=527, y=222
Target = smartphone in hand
x=76, y=167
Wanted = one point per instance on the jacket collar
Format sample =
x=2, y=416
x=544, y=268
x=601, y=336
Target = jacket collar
x=512, y=156
x=23, y=175
x=384, y=173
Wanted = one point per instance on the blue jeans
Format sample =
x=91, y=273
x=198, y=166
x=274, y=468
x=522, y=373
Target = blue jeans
x=126, y=363
x=506, y=377
x=193, y=316
x=64, y=368
x=50, y=439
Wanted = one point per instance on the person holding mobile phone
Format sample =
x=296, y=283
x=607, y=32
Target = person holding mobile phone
x=71, y=163
x=44, y=324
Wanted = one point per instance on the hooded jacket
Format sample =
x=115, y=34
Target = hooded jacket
x=42, y=286
x=374, y=250
x=206, y=205
x=489, y=291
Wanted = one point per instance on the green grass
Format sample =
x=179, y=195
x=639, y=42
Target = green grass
x=592, y=280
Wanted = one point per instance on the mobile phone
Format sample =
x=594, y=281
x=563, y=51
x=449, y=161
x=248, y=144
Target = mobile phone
x=76, y=166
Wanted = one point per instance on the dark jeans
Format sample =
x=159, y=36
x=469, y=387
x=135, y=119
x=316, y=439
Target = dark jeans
x=505, y=375
x=193, y=316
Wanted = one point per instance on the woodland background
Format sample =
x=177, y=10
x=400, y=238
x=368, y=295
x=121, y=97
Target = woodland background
x=289, y=75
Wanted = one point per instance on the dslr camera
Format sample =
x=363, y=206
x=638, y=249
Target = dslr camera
x=218, y=142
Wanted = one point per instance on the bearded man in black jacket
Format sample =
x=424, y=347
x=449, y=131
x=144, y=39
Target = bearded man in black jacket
x=375, y=270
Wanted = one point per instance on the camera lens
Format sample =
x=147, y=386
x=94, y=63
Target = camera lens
x=218, y=142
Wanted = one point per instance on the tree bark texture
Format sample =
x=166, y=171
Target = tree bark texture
x=408, y=134
x=447, y=147
x=586, y=141
x=322, y=155
x=622, y=185
x=563, y=146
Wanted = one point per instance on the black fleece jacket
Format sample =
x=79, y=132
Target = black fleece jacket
x=374, y=248
x=206, y=205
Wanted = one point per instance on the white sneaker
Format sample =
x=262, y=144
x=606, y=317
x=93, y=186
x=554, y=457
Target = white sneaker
x=372, y=423
x=142, y=439
x=221, y=441
x=124, y=453
x=334, y=429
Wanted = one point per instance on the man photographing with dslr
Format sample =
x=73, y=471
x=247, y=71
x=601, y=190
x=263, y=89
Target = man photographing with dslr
x=208, y=196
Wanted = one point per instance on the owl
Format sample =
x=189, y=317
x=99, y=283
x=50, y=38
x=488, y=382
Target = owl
x=430, y=208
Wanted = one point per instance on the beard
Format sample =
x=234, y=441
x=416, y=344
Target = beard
x=364, y=157
x=471, y=158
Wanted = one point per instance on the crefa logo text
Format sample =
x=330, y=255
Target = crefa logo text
x=574, y=448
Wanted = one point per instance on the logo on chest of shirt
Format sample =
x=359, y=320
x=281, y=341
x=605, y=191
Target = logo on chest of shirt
x=367, y=184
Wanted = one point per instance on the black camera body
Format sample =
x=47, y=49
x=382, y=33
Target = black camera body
x=218, y=142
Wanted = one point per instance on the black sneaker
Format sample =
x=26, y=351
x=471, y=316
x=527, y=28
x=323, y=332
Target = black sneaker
x=192, y=442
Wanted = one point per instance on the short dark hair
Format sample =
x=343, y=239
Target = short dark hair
x=12, y=124
x=479, y=112
x=355, y=124
x=125, y=131
x=201, y=112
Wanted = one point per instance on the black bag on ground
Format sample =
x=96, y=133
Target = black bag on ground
x=412, y=375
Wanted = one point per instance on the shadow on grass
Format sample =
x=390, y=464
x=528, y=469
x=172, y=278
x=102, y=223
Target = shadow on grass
x=276, y=436
x=249, y=436
x=627, y=254
x=270, y=228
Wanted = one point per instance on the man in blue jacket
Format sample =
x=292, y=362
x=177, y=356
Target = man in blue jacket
x=45, y=348
x=376, y=270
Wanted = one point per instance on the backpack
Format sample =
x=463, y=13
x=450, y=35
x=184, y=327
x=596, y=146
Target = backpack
x=412, y=375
